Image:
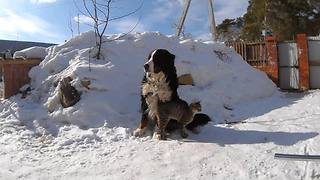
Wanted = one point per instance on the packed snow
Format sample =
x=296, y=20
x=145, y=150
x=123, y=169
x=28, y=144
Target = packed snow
x=93, y=139
x=32, y=52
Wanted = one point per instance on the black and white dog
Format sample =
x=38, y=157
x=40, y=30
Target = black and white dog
x=160, y=78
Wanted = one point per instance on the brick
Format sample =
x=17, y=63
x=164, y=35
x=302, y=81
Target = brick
x=272, y=67
x=302, y=45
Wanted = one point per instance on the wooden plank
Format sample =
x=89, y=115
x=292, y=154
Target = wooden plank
x=253, y=53
x=242, y=50
x=8, y=80
x=260, y=54
x=236, y=47
x=245, y=52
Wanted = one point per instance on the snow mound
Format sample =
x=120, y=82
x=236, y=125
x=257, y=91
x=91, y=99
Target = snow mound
x=32, y=52
x=112, y=100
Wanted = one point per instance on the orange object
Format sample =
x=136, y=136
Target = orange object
x=302, y=45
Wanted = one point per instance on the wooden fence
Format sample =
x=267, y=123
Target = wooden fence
x=262, y=55
x=255, y=53
x=15, y=74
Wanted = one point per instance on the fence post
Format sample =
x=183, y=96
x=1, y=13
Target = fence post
x=302, y=46
x=272, y=55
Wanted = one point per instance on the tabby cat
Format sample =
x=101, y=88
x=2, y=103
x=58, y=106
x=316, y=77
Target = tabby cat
x=164, y=111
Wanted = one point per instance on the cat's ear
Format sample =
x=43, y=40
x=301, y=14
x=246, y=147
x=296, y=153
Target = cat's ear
x=196, y=101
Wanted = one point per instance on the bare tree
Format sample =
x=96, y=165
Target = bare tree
x=99, y=12
x=100, y=16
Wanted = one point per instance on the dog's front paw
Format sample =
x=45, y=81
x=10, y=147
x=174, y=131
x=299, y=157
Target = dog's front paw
x=156, y=135
x=139, y=132
x=184, y=134
x=159, y=136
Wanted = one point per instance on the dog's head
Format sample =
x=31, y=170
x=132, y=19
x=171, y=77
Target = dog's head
x=159, y=60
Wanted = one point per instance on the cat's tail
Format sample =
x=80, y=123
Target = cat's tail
x=199, y=119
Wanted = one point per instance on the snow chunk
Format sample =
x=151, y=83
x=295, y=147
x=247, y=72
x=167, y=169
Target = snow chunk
x=32, y=52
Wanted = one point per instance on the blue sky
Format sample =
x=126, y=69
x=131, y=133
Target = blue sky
x=49, y=20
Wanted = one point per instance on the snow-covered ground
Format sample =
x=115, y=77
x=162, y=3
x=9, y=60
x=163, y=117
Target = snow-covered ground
x=285, y=123
x=92, y=140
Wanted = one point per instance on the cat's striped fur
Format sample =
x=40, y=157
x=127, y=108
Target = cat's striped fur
x=162, y=112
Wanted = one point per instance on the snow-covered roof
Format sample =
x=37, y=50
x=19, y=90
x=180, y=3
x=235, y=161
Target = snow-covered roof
x=19, y=45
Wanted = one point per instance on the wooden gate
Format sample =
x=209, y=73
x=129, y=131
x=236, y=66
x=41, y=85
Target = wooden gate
x=286, y=63
x=262, y=55
x=254, y=53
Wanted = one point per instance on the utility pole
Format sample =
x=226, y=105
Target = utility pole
x=78, y=22
x=183, y=17
x=212, y=21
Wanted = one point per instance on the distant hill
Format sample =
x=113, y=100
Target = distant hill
x=19, y=45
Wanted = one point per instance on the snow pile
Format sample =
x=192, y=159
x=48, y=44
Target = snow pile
x=93, y=138
x=112, y=100
x=32, y=52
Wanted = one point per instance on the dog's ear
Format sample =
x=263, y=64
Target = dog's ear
x=172, y=56
x=171, y=59
x=149, y=55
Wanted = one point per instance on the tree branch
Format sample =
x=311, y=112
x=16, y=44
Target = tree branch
x=128, y=14
x=123, y=35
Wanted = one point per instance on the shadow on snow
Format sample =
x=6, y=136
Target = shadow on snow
x=227, y=136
